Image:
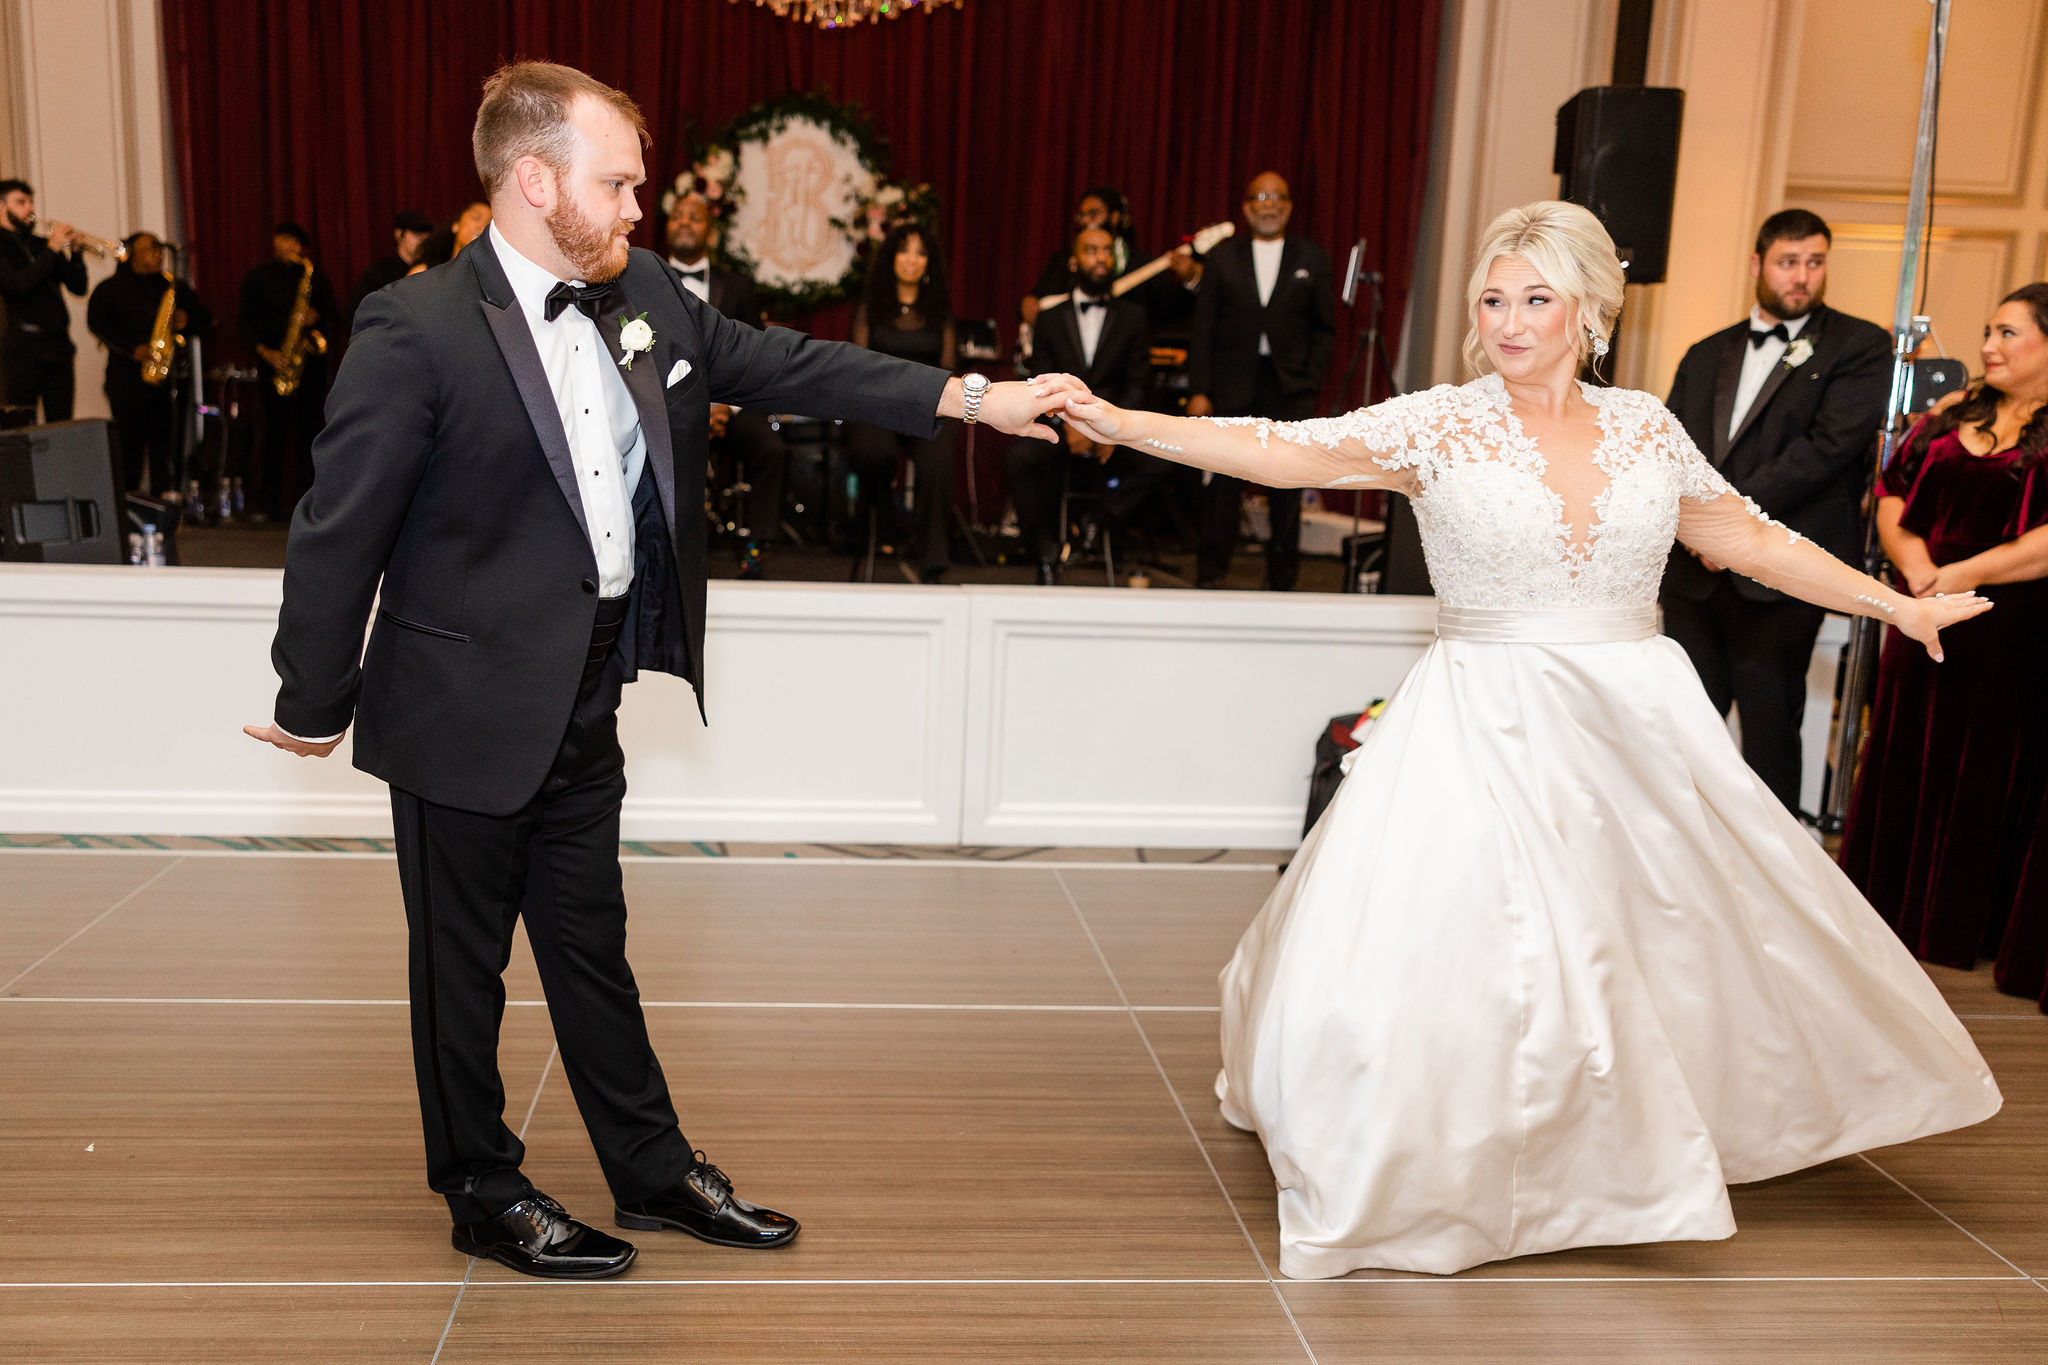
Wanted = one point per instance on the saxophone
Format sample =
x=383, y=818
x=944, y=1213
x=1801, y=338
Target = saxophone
x=163, y=343
x=298, y=339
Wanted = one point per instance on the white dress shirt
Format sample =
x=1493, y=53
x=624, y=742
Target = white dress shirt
x=597, y=411
x=1091, y=320
x=1757, y=362
x=698, y=283
x=1266, y=270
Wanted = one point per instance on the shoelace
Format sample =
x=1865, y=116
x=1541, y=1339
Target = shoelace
x=716, y=1182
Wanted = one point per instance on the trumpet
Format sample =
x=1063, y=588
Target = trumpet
x=99, y=246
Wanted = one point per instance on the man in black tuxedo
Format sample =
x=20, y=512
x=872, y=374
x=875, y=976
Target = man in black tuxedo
x=36, y=352
x=512, y=470
x=1104, y=342
x=1264, y=330
x=744, y=434
x=1786, y=404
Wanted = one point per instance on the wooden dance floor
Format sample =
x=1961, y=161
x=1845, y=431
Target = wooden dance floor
x=982, y=1085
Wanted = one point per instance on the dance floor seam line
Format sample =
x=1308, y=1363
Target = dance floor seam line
x=83, y=929
x=1193, y=1133
x=681, y=860
x=1939, y=1213
x=530, y=1282
x=378, y=1003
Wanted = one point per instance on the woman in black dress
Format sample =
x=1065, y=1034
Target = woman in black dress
x=907, y=311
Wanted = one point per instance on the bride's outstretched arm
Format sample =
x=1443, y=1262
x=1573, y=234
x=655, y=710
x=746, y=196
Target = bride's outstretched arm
x=1727, y=528
x=1362, y=449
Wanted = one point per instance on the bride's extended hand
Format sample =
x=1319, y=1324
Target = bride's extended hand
x=1101, y=422
x=1924, y=618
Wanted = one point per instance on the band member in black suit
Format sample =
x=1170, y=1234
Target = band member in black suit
x=1786, y=403
x=122, y=313
x=290, y=421
x=1265, y=328
x=36, y=350
x=516, y=453
x=1102, y=341
x=409, y=233
x=741, y=433
x=1168, y=299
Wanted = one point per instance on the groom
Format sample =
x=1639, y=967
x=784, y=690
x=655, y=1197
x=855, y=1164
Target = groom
x=514, y=454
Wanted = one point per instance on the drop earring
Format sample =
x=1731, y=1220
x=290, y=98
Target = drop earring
x=1599, y=342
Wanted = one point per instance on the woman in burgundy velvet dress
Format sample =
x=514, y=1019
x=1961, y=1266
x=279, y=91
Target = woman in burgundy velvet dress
x=1948, y=829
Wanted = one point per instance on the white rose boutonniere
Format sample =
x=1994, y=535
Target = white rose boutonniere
x=636, y=338
x=1798, y=353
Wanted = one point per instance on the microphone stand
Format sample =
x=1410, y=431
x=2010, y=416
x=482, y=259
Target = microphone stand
x=1857, y=681
x=1371, y=347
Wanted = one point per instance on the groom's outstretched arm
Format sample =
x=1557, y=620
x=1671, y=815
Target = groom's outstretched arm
x=786, y=371
x=367, y=464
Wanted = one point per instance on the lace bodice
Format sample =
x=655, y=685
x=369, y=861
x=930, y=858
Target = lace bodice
x=1493, y=521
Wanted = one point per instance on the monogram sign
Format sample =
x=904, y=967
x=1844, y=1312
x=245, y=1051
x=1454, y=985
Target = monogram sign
x=800, y=186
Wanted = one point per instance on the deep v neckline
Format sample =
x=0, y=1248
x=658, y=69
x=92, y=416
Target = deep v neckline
x=1575, y=552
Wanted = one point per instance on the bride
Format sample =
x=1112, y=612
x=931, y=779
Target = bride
x=1555, y=968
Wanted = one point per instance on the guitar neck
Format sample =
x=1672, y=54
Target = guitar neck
x=1124, y=283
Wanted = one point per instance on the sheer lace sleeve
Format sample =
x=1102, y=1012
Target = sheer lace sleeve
x=1366, y=448
x=1727, y=529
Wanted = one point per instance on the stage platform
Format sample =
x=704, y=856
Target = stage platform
x=983, y=1085
x=873, y=713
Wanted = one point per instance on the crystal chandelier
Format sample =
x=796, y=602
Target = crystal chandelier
x=847, y=13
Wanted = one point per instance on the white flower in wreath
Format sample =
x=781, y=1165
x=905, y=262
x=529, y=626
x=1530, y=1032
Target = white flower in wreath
x=1798, y=353
x=890, y=196
x=636, y=338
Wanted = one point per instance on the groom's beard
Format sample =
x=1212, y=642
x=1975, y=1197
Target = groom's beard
x=593, y=251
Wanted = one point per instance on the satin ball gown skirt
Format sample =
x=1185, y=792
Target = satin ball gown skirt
x=1555, y=968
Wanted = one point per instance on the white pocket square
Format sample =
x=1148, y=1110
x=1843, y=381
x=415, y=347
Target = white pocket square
x=1301, y=273
x=675, y=376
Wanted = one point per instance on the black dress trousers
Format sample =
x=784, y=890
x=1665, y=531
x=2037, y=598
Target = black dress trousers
x=1753, y=655
x=1223, y=497
x=467, y=879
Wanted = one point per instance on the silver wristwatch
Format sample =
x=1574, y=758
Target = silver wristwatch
x=975, y=385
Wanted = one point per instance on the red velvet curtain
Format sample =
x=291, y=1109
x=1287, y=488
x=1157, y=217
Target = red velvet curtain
x=338, y=115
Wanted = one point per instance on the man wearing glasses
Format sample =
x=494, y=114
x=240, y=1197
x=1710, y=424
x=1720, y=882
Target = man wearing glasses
x=1265, y=328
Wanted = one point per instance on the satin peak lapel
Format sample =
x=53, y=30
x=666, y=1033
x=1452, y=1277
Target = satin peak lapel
x=508, y=325
x=1726, y=380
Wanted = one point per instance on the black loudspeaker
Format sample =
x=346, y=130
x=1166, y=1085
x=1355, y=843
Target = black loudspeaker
x=59, y=500
x=1617, y=154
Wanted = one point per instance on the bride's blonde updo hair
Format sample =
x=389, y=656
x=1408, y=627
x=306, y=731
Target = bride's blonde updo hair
x=1571, y=251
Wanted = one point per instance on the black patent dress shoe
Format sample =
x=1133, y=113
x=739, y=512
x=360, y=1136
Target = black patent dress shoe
x=536, y=1237
x=704, y=1206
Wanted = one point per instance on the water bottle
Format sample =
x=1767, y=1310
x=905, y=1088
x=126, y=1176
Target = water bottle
x=152, y=545
x=226, y=507
x=195, y=501
x=135, y=555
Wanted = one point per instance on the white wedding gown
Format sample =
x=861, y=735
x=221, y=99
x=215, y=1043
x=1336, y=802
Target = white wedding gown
x=1555, y=968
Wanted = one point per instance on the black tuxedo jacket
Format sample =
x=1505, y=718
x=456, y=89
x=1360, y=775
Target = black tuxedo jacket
x=1123, y=353
x=445, y=472
x=1803, y=449
x=1300, y=320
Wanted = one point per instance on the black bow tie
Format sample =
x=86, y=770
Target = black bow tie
x=702, y=272
x=585, y=298
x=1083, y=305
x=1759, y=335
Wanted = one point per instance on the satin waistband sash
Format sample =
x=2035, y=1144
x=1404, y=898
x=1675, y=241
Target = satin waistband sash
x=1558, y=626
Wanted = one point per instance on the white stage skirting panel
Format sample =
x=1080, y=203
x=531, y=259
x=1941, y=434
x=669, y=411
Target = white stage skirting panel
x=1072, y=716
